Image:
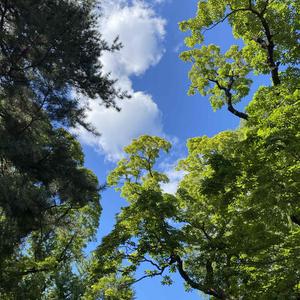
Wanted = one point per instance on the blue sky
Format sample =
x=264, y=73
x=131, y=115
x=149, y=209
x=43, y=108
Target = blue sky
x=149, y=68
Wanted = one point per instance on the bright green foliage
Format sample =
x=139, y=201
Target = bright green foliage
x=240, y=197
x=141, y=229
x=269, y=31
x=232, y=229
x=212, y=73
x=110, y=287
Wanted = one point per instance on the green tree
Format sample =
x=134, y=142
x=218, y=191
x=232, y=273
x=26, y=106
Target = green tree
x=49, y=202
x=232, y=229
x=270, y=34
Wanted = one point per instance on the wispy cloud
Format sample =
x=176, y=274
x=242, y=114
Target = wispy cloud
x=174, y=176
x=169, y=163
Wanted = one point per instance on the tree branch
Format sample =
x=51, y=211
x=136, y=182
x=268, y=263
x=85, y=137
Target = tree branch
x=228, y=95
x=270, y=49
x=203, y=288
x=60, y=259
x=269, y=46
x=295, y=220
x=155, y=273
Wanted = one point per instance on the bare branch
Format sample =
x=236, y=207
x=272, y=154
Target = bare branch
x=155, y=273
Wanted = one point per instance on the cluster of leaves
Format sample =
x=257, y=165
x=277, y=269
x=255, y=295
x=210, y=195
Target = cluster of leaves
x=232, y=229
x=269, y=30
x=49, y=202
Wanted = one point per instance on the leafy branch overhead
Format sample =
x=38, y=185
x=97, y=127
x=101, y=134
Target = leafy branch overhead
x=232, y=229
x=215, y=74
x=269, y=41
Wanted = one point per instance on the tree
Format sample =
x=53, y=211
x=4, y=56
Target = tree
x=49, y=202
x=269, y=41
x=232, y=229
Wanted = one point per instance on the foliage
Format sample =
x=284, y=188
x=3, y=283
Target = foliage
x=49, y=202
x=51, y=264
x=269, y=41
x=232, y=229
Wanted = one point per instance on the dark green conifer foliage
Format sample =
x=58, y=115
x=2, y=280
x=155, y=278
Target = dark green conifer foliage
x=49, y=202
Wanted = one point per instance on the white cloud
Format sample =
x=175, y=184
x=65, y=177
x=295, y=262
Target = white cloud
x=179, y=47
x=161, y=1
x=174, y=180
x=141, y=32
x=139, y=115
x=168, y=167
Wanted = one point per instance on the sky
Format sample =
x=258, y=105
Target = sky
x=149, y=68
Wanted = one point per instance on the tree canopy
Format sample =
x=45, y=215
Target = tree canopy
x=232, y=228
x=49, y=202
x=269, y=31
